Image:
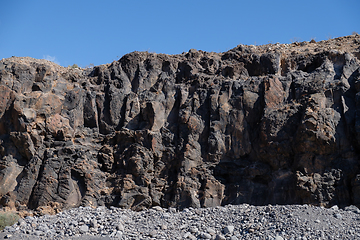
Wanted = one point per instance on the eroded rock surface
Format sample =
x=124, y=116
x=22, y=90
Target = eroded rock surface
x=275, y=124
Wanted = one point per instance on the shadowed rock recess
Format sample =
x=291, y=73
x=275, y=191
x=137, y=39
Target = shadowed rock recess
x=278, y=124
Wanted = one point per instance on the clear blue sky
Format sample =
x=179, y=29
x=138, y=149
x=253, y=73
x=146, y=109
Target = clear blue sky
x=100, y=32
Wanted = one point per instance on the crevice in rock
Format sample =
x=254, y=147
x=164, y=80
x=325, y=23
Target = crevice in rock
x=310, y=64
x=284, y=66
x=135, y=82
x=79, y=189
x=32, y=204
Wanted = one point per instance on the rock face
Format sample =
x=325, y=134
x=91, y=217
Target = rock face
x=278, y=123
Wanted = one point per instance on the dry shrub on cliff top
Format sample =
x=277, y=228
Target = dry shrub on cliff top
x=7, y=219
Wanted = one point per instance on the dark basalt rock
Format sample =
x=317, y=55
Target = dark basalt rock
x=275, y=124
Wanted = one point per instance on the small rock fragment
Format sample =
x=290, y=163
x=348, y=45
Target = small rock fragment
x=211, y=231
x=228, y=229
x=83, y=229
x=153, y=233
x=352, y=208
x=335, y=207
x=21, y=222
x=186, y=235
x=158, y=208
x=118, y=235
x=93, y=223
x=205, y=235
x=219, y=237
x=120, y=226
x=189, y=236
x=172, y=210
x=193, y=229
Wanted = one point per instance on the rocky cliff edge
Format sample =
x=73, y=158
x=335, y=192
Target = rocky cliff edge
x=278, y=123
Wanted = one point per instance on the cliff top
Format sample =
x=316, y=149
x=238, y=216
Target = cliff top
x=349, y=44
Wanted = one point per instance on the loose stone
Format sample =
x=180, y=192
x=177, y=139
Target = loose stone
x=205, y=235
x=187, y=234
x=193, y=229
x=211, y=231
x=219, y=237
x=335, y=207
x=228, y=229
x=120, y=227
x=93, y=223
x=83, y=228
x=153, y=233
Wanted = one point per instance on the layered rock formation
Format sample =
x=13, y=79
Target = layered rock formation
x=278, y=123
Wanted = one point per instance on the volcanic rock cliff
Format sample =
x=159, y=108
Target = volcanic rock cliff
x=278, y=124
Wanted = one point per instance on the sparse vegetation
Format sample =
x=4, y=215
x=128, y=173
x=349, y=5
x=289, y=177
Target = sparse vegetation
x=295, y=40
x=7, y=219
x=91, y=65
x=74, y=66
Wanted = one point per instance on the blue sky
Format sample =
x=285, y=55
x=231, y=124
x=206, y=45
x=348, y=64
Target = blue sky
x=99, y=32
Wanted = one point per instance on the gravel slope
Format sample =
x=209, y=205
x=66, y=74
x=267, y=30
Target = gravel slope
x=229, y=222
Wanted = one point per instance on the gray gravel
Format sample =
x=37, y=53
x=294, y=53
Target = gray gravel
x=296, y=222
